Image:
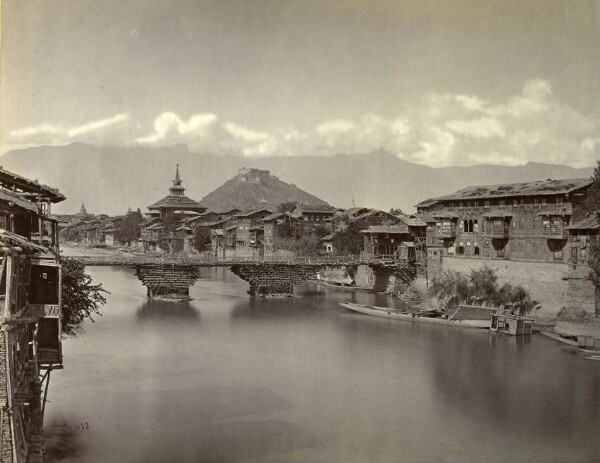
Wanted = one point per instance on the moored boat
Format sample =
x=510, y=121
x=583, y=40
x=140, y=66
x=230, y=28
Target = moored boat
x=384, y=312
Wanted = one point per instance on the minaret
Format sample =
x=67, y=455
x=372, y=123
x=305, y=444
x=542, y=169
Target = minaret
x=82, y=210
x=177, y=189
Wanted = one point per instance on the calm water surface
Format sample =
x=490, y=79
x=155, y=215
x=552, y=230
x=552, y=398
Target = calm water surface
x=230, y=378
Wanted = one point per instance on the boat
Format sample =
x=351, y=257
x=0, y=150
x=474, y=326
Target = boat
x=415, y=317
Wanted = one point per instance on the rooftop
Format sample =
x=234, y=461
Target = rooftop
x=392, y=229
x=589, y=223
x=10, y=181
x=537, y=188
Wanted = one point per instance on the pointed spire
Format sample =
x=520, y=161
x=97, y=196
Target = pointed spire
x=82, y=210
x=177, y=188
x=177, y=180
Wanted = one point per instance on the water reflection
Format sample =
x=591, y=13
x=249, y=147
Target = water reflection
x=154, y=309
x=302, y=379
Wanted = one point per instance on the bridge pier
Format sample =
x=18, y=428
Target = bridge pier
x=168, y=281
x=273, y=279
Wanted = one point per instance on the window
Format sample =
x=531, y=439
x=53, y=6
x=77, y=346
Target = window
x=501, y=203
x=460, y=205
x=486, y=204
x=476, y=226
x=515, y=203
x=536, y=202
x=574, y=253
x=559, y=200
x=544, y=202
x=450, y=204
x=461, y=225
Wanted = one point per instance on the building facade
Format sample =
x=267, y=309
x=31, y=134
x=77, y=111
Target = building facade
x=521, y=221
x=30, y=312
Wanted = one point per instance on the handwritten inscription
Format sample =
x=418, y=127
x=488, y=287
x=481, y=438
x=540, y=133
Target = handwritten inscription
x=77, y=426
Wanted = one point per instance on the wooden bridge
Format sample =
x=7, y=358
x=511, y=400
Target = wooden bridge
x=172, y=276
x=318, y=261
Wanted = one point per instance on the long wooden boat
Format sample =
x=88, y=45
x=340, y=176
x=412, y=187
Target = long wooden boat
x=414, y=317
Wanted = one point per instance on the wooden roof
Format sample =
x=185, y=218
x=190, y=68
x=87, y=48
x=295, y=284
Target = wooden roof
x=537, y=188
x=177, y=202
x=8, y=180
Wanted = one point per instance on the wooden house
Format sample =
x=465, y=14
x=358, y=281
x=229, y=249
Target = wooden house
x=528, y=221
x=30, y=309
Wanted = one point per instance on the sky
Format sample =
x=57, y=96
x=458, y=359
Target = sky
x=436, y=82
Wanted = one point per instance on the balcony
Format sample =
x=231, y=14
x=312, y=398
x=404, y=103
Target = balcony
x=557, y=233
x=497, y=232
x=451, y=233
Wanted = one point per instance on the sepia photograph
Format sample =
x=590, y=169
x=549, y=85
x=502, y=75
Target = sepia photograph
x=299, y=231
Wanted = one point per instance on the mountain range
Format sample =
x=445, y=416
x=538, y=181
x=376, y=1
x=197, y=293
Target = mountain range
x=111, y=179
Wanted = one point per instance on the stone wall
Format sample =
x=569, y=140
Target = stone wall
x=554, y=285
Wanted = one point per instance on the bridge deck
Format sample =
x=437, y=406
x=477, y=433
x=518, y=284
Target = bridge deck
x=132, y=261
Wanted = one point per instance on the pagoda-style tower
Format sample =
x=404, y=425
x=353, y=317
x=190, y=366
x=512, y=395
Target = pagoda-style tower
x=177, y=189
x=167, y=216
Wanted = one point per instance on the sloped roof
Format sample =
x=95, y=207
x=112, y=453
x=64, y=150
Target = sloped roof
x=12, y=242
x=253, y=212
x=11, y=197
x=589, y=223
x=536, y=188
x=470, y=312
x=411, y=220
x=392, y=229
x=180, y=202
x=8, y=179
x=273, y=216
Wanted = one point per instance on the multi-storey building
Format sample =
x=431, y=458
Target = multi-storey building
x=520, y=221
x=281, y=230
x=30, y=312
x=247, y=233
x=311, y=217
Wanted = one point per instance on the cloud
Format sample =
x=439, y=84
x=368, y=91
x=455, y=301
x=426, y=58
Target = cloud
x=252, y=144
x=92, y=132
x=442, y=129
x=170, y=127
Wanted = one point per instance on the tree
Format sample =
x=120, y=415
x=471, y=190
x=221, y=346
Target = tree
x=287, y=206
x=81, y=299
x=349, y=240
x=128, y=229
x=307, y=245
x=395, y=211
x=202, y=239
x=481, y=288
x=594, y=258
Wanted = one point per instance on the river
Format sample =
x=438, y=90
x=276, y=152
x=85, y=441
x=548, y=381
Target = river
x=228, y=378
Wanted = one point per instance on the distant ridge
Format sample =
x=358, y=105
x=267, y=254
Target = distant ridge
x=110, y=179
x=254, y=189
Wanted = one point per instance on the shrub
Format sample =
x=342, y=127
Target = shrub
x=81, y=299
x=481, y=288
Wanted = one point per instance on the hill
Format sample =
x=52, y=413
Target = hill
x=253, y=189
x=109, y=179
